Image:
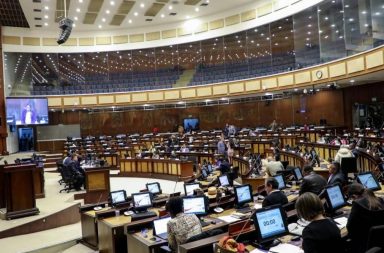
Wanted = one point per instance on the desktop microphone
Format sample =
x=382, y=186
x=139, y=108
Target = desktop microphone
x=218, y=209
x=245, y=223
x=97, y=207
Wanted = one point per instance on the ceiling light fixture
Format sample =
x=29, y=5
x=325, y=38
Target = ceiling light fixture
x=136, y=14
x=112, y=2
x=107, y=11
x=46, y=7
x=162, y=15
x=170, y=7
x=78, y=9
x=142, y=5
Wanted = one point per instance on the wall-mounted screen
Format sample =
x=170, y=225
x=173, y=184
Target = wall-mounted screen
x=27, y=111
x=191, y=124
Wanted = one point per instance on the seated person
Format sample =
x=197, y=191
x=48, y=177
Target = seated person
x=68, y=159
x=321, y=234
x=344, y=151
x=224, y=166
x=275, y=196
x=355, y=191
x=336, y=176
x=312, y=182
x=274, y=166
x=367, y=211
x=182, y=226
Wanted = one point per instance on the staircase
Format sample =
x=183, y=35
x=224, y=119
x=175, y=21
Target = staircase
x=185, y=78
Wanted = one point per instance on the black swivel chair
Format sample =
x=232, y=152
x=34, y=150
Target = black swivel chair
x=375, y=237
x=69, y=178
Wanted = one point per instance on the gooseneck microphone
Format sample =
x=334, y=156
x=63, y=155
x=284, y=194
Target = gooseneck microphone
x=98, y=207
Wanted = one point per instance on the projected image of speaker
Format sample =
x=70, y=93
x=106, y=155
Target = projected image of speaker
x=66, y=27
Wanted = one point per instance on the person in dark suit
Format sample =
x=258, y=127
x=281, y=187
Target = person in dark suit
x=321, y=234
x=275, y=196
x=224, y=167
x=336, y=176
x=312, y=182
x=367, y=211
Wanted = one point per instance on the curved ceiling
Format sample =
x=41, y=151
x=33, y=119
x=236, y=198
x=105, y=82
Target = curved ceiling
x=98, y=15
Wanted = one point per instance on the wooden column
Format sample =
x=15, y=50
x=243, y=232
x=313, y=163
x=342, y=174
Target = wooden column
x=3, y=119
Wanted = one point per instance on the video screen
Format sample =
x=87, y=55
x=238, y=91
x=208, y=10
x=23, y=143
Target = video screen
x=189, y=188
x=368, y=181
x=160, y=225
x=194, y=205
x=154, y=188
x=27, y=111
x=243, y=194
x=280, y=180
x=191, y=124
x=298, y=174
x=141, y=200
x=270, y=223
x=224, y=180
x=118, y=197
x=335, y=197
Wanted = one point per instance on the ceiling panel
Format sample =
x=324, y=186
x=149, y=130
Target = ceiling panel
x=191, y=2
x=117, y=20
x=154, y=9
x=59, y=12
x=11, y=14
x=125, y=7
x=95, y=5
x=89, y=18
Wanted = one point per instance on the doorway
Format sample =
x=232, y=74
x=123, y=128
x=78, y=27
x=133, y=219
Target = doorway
x=26, y=139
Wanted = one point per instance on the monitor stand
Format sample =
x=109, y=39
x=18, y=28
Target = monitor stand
x=142, y=214
x=267, y=244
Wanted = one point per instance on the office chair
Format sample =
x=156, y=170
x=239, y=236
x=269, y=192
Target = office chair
x=375, y=237
x=68, y=179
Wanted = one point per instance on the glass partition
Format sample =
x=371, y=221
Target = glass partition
x=259, y=51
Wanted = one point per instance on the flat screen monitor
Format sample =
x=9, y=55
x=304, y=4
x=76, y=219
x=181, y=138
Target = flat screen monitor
x=369, y=181
x=189, y=188
x=141, y=201
x=297, y=174
x=243, y=195
x=334, y=197
x=280, y=180
x=270, y=223
x=224, y=181
x=118, y=197
x=348, y=165
x=191, y=124
x=26, y=111
x=195, y=205
x=154, y=188
x=160, y=226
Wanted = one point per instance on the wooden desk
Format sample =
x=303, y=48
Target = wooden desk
x=97, y=185
x=137, y=243
x=89, y=228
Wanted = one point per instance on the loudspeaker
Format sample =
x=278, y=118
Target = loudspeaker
x=66, y=27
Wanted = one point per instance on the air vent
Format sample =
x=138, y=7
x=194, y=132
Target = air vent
x=38, y=26
x=175, y=2
x=36, y=1
x=148, y=20
x=172, y=14
x=37, y=10
x=204, y=4
x=37, y=18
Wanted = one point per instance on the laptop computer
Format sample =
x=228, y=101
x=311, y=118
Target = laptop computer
x=160, y=227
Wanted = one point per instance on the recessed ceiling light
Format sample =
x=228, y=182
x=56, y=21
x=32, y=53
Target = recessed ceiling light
x=187, y=17
x=46, y=24
x=78, y=9
x=142, y=5
x=112, y=2
x=75, y=18
x=197, y=9
x=107, y=11
x=352, y=81
x=170, y=7
x=130, y=21
x=103, y=19
x=162, y=15
x=74, y=25
x=45, y=16
x=100, y=26
x=80, y=1
x=46, y=7
x=136, y=13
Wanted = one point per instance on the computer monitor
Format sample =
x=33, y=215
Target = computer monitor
x=369, y=181
x=195, y=205
x=348, y=165
x=153, y=188
x=297, y=174
x=189, y=188
x=160, y=226
x=118, y=197
x=141, y=201
x=280, y=180
x=243, y=195
x=334, y=198
x=270, y=223
x=224, y=180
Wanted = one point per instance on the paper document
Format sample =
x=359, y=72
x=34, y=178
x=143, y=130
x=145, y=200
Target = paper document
x=228, y=219
x=285, y=248
x=341, y=222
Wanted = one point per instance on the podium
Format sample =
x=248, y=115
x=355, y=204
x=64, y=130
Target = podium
x=19, y=190
x=97, y=185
